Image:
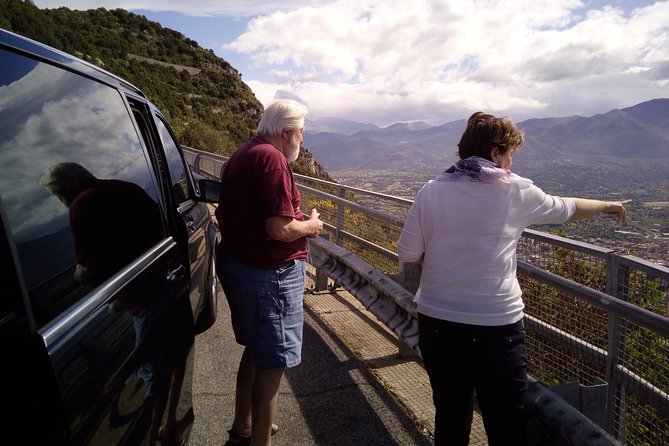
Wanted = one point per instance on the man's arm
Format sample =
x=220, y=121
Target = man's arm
x=287, y=229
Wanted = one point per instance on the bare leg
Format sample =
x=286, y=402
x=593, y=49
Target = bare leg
x=169, y=427
x=246, y=376
x=173, y=430
x=264, y=398
x=159, y=403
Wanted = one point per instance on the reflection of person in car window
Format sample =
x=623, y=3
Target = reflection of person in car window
x=112, y=221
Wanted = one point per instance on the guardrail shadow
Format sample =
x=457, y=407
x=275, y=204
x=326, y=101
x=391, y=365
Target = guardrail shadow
x=340, y=399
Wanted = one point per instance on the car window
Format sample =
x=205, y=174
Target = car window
x=175, y=163
x=59, y=131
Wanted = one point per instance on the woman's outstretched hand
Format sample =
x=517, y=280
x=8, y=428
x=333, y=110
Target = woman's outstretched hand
x=617, y=209
x=586, y=207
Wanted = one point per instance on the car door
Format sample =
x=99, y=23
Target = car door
x=201, y=234
x=99, y=319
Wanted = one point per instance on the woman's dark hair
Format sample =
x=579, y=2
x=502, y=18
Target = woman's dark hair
x=484, y=132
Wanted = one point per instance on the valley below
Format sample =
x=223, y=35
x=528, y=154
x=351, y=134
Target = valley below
x=646, y=182
x=617, y=155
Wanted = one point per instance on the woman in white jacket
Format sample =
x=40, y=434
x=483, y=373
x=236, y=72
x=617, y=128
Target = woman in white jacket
x=463, y=227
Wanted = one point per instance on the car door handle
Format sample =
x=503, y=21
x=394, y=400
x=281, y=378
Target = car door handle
x=190, y=224
x=176, y=274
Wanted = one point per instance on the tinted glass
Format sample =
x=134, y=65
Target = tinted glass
x=175, y=162
x=49, y=116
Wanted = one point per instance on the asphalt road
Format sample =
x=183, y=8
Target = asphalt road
x=331, y=399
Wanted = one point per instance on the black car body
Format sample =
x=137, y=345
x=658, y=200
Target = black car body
x=106, y=360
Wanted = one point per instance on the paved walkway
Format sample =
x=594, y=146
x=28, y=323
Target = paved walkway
x=352, y=387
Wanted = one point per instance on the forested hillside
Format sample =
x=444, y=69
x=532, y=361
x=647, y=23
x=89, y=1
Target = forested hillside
x=208, y=105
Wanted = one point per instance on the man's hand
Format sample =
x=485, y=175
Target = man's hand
x=315, y=224
x=286, y=229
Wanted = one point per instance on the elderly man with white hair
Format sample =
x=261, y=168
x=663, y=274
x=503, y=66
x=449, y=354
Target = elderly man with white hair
x=261, y=264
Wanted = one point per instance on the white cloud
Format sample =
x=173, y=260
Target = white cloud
x=381, y=61
x=60, y=120
x=244, y=8
x=429, y=57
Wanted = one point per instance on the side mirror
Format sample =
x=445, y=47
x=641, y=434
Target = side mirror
x=209, y=190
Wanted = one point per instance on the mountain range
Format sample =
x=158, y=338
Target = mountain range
x=630, y=135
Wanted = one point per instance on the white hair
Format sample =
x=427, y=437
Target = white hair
x=284, y=114
x=66, y=180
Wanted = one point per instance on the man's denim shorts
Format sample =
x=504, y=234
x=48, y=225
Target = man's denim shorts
x=266, y=308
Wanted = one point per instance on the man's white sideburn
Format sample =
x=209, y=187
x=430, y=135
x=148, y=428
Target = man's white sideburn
x=293, y=149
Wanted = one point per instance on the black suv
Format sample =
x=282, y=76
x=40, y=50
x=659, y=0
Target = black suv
x=107, y=249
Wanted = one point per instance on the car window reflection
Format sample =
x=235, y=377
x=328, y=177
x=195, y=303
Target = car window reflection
x=112, y=221
x=49, y=116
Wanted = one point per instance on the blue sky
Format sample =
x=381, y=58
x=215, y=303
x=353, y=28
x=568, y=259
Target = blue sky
x=211, y=32
x=387, y=61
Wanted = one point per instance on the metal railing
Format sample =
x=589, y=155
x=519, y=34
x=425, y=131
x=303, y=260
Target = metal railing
x=598, y=317
x=597, y=326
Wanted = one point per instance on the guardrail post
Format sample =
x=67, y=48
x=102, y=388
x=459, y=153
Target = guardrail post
x=220, y=171
x=617, y=280
x=554, y=421
x=321, y=279
x=409, y=278
x=196, y=164
x=588, y=400
x=340, y=218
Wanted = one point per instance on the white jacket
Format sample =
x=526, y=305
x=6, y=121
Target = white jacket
x=466, y=231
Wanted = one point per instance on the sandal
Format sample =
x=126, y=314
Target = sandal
x=171, y=441
x=236, y=439
x=174, y=434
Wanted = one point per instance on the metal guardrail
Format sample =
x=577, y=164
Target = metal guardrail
x=597, y=316
x=593, y=316
x=374, y=218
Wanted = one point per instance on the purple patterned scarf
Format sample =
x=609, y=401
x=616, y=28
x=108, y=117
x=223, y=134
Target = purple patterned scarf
x=481, y=169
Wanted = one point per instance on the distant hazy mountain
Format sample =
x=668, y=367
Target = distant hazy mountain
x=337, y=126
x=635, y=133
x=408, y=127
x=345, y=127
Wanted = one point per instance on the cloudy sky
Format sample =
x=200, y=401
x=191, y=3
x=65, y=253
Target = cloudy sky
x=387, y=61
